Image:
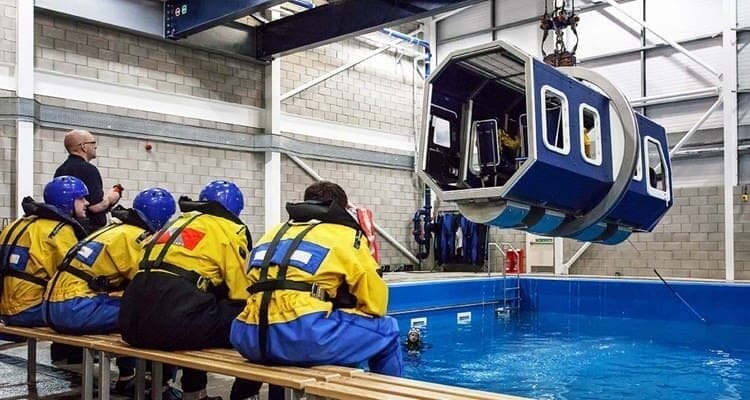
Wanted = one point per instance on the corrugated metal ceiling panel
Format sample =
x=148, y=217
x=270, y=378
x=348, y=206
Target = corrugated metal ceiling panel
x=743, y=60
x=743, y=13
x=680, y=19
x=743, y=109
x=469, y=20
x=620, y=33
x=680, y=117
x=623, y=71
x=668, y=71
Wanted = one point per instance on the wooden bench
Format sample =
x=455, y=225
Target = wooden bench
x=293, y=379
x=385, y=386
x=33, y=335
x=320, y=382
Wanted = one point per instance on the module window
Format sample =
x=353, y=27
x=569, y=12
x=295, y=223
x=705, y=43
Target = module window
x=591, y=136
x=656, y=167
x=442, y=132
x=555, y=120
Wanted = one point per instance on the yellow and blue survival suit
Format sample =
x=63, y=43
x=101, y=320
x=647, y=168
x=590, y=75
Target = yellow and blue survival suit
x=191, y=283
x=31, y=248
x=189, y=275
x=84, y=295
x=316, y=296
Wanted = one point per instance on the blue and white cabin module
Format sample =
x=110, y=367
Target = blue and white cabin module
x=519, y=144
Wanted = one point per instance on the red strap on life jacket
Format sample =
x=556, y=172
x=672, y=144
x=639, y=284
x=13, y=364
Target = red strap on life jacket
x=366, y=222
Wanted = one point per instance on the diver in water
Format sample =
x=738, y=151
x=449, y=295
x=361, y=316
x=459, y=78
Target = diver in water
x=414, y=343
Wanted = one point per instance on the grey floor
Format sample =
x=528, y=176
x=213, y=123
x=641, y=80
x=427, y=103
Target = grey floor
x=62, y=382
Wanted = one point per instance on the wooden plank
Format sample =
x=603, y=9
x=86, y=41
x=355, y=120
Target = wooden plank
x=337, y=391
x=237, y=359
x=343, y=371
x=47, y=334
x=434, y=387
x=248, y=371
x=396, y=389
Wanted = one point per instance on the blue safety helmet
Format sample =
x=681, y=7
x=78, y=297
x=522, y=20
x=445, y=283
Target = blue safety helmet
x=63, y=191
x=226, y=193
x=156, y=206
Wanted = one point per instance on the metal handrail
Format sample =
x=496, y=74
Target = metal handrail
x=504, y=248
x=489, y=266
x=500, y=247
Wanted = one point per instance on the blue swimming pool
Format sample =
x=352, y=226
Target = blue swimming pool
x=582, y=339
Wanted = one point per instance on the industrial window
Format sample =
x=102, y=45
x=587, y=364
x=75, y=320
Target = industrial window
x=591, y=136
x=656, y=167
x=441, y=132
x=555, y=121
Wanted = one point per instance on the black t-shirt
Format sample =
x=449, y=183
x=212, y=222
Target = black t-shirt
x=78, y=167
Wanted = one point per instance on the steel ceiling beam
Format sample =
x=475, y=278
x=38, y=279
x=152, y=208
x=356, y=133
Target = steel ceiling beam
x=143, y=17
x=343, y=19
x=186, y=17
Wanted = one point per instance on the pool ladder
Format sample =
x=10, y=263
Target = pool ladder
x=511, y=294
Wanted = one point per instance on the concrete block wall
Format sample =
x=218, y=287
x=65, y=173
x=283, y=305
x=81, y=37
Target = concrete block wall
x=110, y=56
x=181, y=169
x=76, y=48
x=7, y=169
x=8, y=31
x=689, y=242
x=390, y=193
x=376, y=94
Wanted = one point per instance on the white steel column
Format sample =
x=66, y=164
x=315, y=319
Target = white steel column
x=272, y=165
x=729, y=95
x=25, y=90
x=557, y=260
x=272, y=181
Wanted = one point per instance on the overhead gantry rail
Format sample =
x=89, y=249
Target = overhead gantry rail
x=313, y=27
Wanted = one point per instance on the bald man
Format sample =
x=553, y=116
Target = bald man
x=81, y=147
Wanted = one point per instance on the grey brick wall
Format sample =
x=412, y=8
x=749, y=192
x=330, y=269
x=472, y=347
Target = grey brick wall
x=7, y=169
x=182, y=169
x=129, y=112
x=81, y=49
x=388, y=192
x=376, y=94
x=354, y=145
x=689, y=242
x=8, y=31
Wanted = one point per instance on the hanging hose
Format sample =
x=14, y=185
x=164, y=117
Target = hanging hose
x=680, y=297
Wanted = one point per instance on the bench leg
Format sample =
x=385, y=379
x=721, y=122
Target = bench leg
x=87, y=381
x=31, y=362
x=291, y=394
x=157, y=372
x=140, y=379
x=104, y=375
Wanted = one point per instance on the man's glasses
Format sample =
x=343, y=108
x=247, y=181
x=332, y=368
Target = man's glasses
x=93, y=142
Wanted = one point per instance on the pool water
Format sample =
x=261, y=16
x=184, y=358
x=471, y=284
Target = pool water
x=565, y=356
